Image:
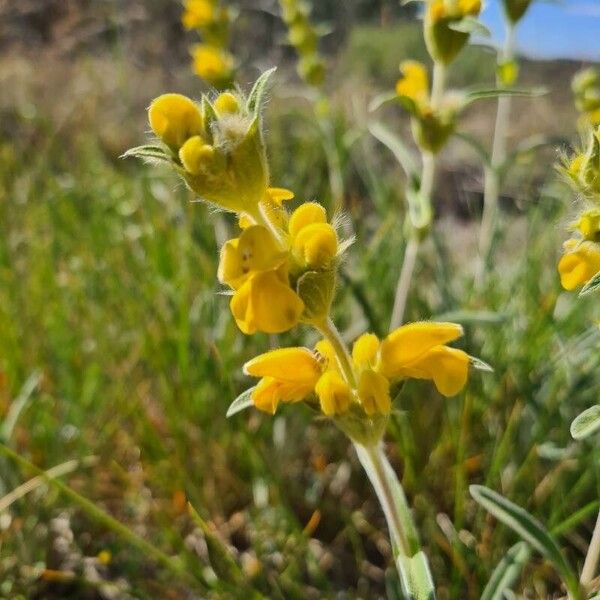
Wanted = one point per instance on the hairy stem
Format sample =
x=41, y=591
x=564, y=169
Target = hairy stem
x=491, y=192
x=332, y=335
x=425, y=191
x=403, y=533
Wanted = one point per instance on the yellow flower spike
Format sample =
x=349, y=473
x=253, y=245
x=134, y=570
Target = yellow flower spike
x=334, y=394
x=211, y=63
x=447, y=367
x=365, y=349
x=198, y=14
x=374, y=393
x=292, y=365
x=306, y=214
x=226, y=104
x=411, y=342
x=254, y=251
x=316, y=245
x=265, y=302
x=195, y=155
x=174, y=119
x=579, y=264
x=414, y=83
x=279, y=195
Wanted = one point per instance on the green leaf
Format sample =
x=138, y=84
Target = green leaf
x=480, y=365
x=586, y=423
x=242, y=402
x=316, y=289
x=257, y=94
x=484, y=93
x=389, y=139
x=593, y=285
x=150, y=153
x=18, y=405
x=530, y=530
x=473, y=317
x=507, y=572
x=415, y=577
x=469, y=24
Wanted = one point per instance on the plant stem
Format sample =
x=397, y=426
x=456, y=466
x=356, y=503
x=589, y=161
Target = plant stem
x=590, y=566
x=425, y=191
x=403, y=533
x=491, y=192
x=331, y=333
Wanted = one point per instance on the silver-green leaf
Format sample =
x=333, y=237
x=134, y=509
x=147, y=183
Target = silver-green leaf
x=586, y=423
x=415, y=577
x=530, y=530
x=507, y=572
x=242, y=402
x=593, y=285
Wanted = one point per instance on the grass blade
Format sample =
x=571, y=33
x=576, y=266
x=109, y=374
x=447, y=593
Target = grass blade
x=586, y=423
x=507, y=572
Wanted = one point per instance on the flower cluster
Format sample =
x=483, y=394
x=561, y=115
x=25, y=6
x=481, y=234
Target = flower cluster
x=431, y=126
x=304, y=38
x=281, y=270
x=417, y=350
x=586, y=89
x=581, y=258
x=448, y=24
x=211, y=59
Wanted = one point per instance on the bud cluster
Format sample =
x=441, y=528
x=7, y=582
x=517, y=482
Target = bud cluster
x=212, y=61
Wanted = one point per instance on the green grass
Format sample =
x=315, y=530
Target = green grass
x=108, y=291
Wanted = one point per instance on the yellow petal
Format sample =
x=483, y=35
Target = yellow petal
x=174, y=119
x=211, y=63
x=409, y=342
x=198, y=13
x=279, y=195
x=315, y=245
x=374, y=393
x=292, y=365
x=226, y=104
x=325, y=350
x=196, y=156
x=364, y=350
x=270, y=392
x=334, y=394
x=265, y=303
x=306, y=214
x=415, y=81
x=579, y=265
x=447, y=367
x=470, y=7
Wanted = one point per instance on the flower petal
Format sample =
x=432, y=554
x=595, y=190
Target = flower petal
x=579, y=264
x=409, y=342
x=270, y=392
x=291, y=365
x=364, y=350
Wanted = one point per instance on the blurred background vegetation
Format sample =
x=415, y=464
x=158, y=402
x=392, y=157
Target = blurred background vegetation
x=116, y=345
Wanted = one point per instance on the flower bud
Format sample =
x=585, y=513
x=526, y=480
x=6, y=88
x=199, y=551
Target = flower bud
x=586, y=89
x=515, y=9
x=195, y=155
x=312, y=69
x=226, y=103
x=315, y=245
x=431, y=130
x=306, y=214
x=174, y=119
x=334, y=394
x=213, y=64
x=198, y=14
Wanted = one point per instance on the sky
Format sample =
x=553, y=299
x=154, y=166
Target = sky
x=552, y=28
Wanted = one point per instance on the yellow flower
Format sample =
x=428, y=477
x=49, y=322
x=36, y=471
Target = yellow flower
x=334, y=393
x=414, y=83
x=374, y=393
x=174, y=119
x=418, y=351
x=288, y=375
x=265, y=302
x=579, y=263
x=314, y=241
x=196, y=155
x=198, y=14
x=588, y=224
x=226, y=104
x=211, y=63
x=254, y=251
